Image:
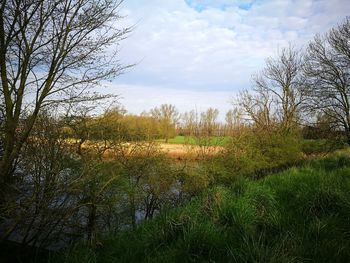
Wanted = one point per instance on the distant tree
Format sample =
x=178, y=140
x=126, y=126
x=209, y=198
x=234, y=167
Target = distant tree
x=54, y=50
x=168, y=116
x=138, y=128
x=233, y=120
x=117, y=110
x=326, y=69
x=189, y=122
x=208, y=121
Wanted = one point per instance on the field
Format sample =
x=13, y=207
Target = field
x=213, y=141
x=176, y=147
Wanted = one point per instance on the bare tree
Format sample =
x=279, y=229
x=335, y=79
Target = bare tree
x=328, y=76
x=50, y=52
x=258, y=107
x=208, y=122
x=207, y=133
x=189, y=122
x=168, y=115
x=277, y=95
x=233, y=120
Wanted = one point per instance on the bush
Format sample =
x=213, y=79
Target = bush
x=320, y=146
x=253, y=152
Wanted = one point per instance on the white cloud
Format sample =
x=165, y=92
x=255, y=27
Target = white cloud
x=217, y=49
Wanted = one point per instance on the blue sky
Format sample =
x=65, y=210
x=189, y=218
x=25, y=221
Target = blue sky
x=199, y=53
x=199, y=5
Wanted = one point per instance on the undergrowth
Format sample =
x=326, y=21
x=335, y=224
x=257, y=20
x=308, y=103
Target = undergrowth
x=299, y=215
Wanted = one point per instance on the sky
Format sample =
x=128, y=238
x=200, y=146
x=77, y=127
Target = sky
x=198, y=54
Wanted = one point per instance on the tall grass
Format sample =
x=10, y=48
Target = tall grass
x=300, y=215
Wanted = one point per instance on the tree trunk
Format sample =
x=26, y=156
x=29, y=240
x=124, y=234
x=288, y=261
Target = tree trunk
x=132, y=212
x=6, y=162
x=6, y=169
x=13, y=144
x=348, y=137
x=91, y=224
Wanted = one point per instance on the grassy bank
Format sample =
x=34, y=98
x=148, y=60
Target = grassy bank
x=300, y=215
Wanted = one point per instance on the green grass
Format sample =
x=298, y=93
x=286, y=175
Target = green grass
x=300, y=215
x=320, y=146
x=215, y=141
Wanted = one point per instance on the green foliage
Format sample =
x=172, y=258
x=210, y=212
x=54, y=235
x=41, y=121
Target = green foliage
x=140, y=128
x=167, y=117
x=253, y=152
x=79, y=253
x=296, y=216
x=318, y=146
x=112, y=126
x=194, y=179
